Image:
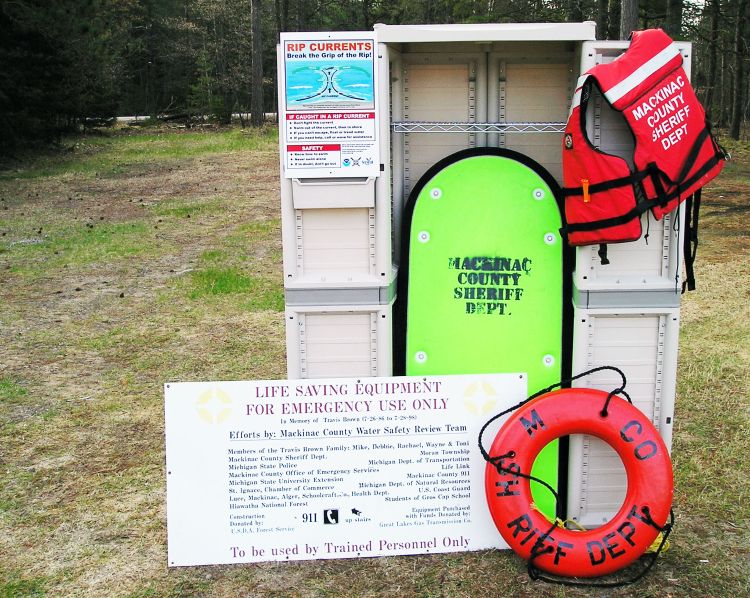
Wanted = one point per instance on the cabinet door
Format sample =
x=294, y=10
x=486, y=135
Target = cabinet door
x=436, y=88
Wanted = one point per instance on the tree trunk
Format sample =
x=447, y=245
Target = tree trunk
x=724, y=89
x=602, y=19
x=256, y=100
x=614, y=20
x=734, y=129
x=277, y=16
x=713, y=8
x=366, y=14
x=628, y=18
x=575, y=13
x=673, y=22
x=281, y=12
x=302, y=15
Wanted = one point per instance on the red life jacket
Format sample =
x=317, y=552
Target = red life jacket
x=674, y=155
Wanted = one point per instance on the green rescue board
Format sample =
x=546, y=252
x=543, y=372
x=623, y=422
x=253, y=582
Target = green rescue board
x=485, y=277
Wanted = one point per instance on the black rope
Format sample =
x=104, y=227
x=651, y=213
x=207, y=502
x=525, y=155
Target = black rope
x=535, y=574
x=497, y=463
x=538, y=549
x=564, y=382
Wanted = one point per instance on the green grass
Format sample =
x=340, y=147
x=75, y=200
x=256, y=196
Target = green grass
x=259, y=230
x=18, y=587
x=224, y=269
x=114, y=154
x=82, y=244
x=212, y=256
x=261, y=293
x=10, y=391
x=219, y=281
x=109, y=339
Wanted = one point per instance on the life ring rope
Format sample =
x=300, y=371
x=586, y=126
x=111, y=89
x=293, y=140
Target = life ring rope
x=538, y=549
x=620, y=390
x=652, y=555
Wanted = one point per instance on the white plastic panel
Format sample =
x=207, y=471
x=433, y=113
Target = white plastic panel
x=333, y=193
x=436, y=87
x=438, y=91
x=484, y=32
x=334, y=242
x=643, y=344
x=393, y=98
x=334, y=247
x=338, y=341
x=651, y=263
x=535, y=93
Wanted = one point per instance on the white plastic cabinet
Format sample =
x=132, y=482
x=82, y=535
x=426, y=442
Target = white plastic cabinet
x=626, y=315
x=440, y=89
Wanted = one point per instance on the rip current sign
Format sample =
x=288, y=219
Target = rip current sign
x=484, y=279
x=327, y=104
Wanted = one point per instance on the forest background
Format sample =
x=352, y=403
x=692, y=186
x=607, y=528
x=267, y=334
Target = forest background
x=67, y=65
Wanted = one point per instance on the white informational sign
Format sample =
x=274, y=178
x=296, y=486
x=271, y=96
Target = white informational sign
x=322, y=469
x=328, y=104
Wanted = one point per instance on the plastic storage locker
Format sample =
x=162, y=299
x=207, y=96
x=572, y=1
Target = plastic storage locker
x=626, y=315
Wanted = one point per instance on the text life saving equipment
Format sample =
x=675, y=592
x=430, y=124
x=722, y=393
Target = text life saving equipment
x=674, y=155
x=641, y=517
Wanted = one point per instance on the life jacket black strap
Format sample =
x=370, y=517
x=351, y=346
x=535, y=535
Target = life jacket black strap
x=629, y=181
x=603, y=254
x=681, y=183
x=707, y=166
x=657, y=176
x=690, y=243
x=635, y=212
x=625, y=181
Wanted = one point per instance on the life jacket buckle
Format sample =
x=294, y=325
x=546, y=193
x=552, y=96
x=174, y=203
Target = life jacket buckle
x=585, y=187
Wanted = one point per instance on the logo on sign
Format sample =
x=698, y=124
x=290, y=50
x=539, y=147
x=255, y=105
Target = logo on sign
x=479, y=397
x=214, y=406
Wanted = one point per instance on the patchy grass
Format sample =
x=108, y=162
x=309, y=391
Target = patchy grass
x=216, y=281
x=135, y=259
x=84, y=244
x=18, y=587
x=181, y=208
x=260, y=294
x=115, y=154
x=11, y=392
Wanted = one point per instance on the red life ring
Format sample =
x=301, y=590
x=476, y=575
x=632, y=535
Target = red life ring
x=565, y=552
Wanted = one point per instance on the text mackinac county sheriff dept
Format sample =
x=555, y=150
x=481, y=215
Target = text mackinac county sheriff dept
x=666, y=113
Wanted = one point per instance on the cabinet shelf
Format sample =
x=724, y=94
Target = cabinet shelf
x=467, y=127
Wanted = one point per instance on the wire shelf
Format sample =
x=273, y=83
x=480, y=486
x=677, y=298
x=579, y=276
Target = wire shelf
x=466, y=127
